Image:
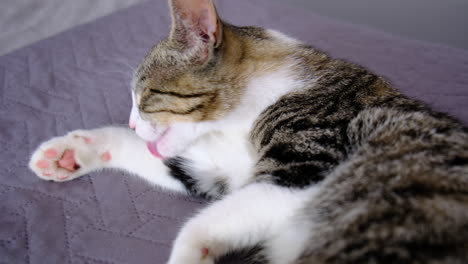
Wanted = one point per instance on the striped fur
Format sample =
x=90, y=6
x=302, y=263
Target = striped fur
x=392, y=173
x=309, y=159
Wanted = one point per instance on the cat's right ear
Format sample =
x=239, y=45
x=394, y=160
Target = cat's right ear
x=195, y=22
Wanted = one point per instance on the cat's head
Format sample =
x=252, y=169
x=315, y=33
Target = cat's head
x=198, y=74
x=178, y=81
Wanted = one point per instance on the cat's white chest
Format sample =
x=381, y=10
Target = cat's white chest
x=261, y=92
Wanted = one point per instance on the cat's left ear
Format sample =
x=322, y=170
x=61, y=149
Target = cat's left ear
x=195, y=21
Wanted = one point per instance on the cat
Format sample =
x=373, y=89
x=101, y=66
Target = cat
x=308, y=159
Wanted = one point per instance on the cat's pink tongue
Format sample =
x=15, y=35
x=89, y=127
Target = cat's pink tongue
x=154, y=150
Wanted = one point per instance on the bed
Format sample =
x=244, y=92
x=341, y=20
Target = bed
x=23, y=22
x=80, y=79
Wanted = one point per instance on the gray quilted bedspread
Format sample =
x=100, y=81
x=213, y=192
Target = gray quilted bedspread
x=80, y=79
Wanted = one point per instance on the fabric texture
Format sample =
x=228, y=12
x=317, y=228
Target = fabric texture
x=80, y=80
x=23, y=22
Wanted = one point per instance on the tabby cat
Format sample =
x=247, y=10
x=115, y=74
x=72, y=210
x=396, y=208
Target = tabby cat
x=308, y=159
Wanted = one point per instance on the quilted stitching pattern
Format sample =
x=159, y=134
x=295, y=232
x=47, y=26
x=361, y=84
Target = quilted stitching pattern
x=79, y=79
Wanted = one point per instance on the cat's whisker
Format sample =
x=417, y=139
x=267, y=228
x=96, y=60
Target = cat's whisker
x=132, y=69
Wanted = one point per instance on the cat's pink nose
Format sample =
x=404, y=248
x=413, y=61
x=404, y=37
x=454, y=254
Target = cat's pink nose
x=132, y=125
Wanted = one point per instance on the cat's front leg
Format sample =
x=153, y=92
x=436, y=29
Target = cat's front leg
x=82, y=151
x=260, y=216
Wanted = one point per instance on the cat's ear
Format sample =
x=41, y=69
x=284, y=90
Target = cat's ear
x=195, y=22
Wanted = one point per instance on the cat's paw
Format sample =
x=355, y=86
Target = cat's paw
x=69, y=157
x=192, y=255
x=191, y=246
x=197, y=256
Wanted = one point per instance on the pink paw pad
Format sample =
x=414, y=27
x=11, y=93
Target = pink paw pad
x=47, y=174
x=205, y=252
x=51, y=153
x=67, y=161
x=87, y=140
x=63, y=177
x=43, y=164
x=106, y=156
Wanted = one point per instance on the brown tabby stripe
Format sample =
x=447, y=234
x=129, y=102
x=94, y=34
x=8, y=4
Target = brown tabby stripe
x=187, y=112
x=337, y=91
x=302, y=137
x=194, y=95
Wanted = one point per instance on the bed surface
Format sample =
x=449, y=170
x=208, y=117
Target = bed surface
x=80, y=79
x=23, y=22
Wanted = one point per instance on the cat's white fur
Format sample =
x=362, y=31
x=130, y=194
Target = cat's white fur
x=261, y=92
x=214, y=148
x=258, y=212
